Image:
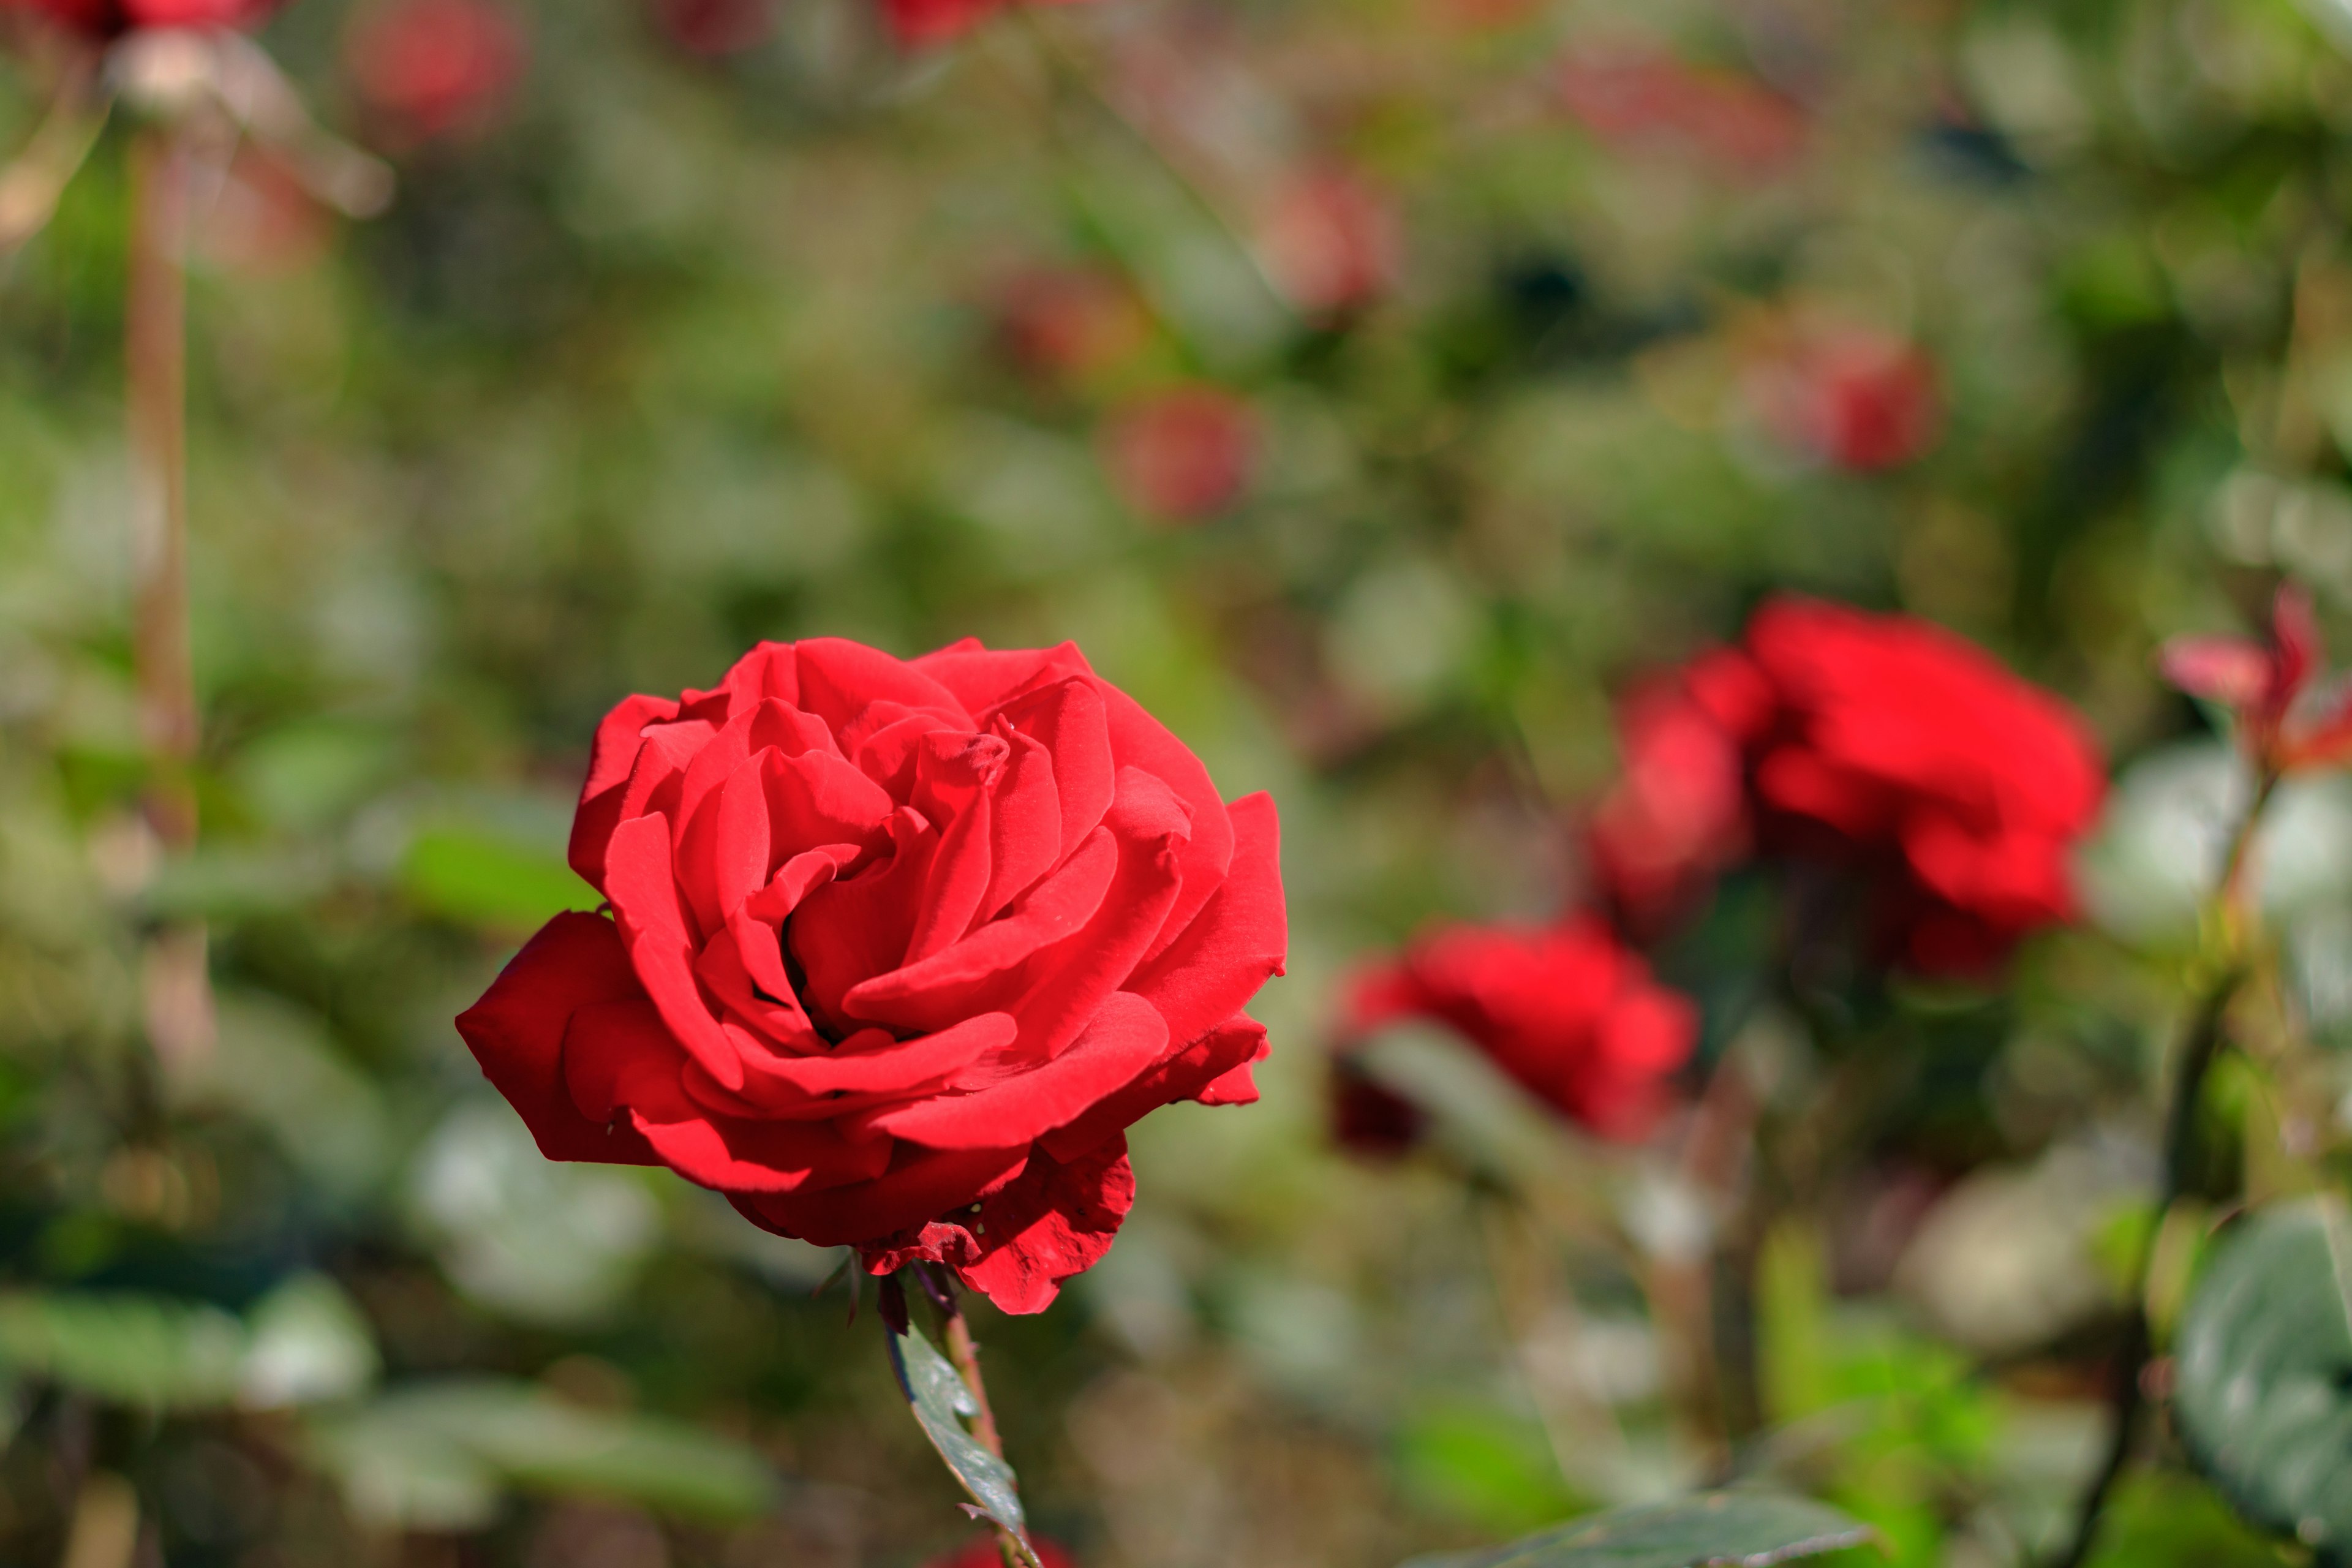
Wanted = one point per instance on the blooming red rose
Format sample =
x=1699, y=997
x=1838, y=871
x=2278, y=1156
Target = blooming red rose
x=900, y=950
x=2286, y=718
x=435, y=66
x=1887, y=744
x=1565, y=1010
x=111, y=18
x=1184, y=456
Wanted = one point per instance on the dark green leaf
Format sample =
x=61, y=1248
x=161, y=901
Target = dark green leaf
x=941, y=1403
x=2264, y=1355
x=1735, y=1530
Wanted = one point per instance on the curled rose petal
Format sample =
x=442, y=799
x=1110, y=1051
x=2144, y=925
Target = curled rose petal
x=892, y=938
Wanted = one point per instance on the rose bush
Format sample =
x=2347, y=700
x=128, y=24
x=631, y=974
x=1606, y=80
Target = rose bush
x=898, y=951
x=1880, y=744
x=1565, y=1010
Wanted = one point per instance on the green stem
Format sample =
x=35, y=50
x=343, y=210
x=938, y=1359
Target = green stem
x=2199, y=1049
x=965, y=1353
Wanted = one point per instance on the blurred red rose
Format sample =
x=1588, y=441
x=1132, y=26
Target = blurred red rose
x=1883, y=743
x=1641, y=97
x=1853, y=397
x=982, y=1553
x=1565, y=1010
x=2287, y=718
x=1678, y=811
x=1069, y=321
x=1183, y=455
x=900, y=950
x=1330, y=242
x=111, y=18
x=716, y=27
x=433, y=67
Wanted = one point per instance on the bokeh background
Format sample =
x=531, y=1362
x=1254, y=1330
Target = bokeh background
x=1373, y=388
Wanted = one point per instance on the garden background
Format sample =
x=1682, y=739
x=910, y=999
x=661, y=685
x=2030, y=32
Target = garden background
x=1375, y=389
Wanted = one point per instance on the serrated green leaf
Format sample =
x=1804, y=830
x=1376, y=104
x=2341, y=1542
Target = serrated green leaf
x=437, y=1454
x=2265, y=1362
x=941, y=1401
x=1712, y=1530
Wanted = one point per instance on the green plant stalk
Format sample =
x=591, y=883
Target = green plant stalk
x=2200, y=1047
x=964, y=1352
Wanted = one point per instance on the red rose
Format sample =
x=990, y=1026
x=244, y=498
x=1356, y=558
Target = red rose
x=1888, y=744
x=1184, y=456
x=435, y=66
x=1565, y=1010
x=900, y=950
x=1678, y=812
x=111, y=18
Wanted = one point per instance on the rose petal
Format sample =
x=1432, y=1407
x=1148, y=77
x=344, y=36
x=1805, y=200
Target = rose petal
x=920, y=1184
x=950, y=984
x=1124, y=1040
x=1139, y=740
x=1239, y=940
x=515, y=1033
x=643, y=891
x=1191, y=1073
x=611, y=759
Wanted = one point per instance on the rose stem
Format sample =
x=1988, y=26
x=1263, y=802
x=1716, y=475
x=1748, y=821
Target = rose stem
x=964, y=1352
x=178, y=992
x=2200, y=1047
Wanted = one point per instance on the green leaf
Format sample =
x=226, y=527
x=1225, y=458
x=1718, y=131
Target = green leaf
x=476, y=877
x=2264, y=1364
x=437, y=1455
x=1733, y=1529
x=941, y=1403
x=145, y=1351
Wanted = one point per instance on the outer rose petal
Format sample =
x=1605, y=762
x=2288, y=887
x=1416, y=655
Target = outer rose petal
x=516, y=1032
x=920, y=1184
x=610, y=761
x=1191, y=1074
x=1240, y=939
x=1055, y=1220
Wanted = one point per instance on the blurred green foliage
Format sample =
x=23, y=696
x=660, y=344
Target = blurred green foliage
x=675, y=352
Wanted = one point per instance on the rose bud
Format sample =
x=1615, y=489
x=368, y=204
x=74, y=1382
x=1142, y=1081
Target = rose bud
x=1852, y=397
x=435, y=68
x=1330, y=243
x=716, y=27
x=898, y=951
x=1564, y=1010
x=1184, y=456
x=2286, y=718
